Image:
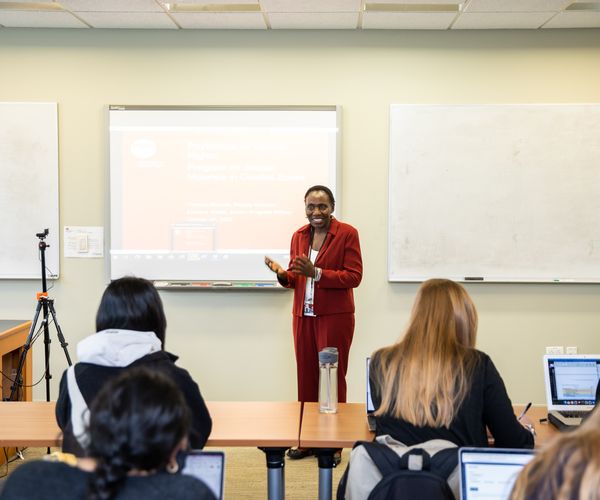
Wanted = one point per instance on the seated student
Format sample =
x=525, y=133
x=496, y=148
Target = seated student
x=434, y=384
x=567, y=468
x=131, y=328
x=139, y=421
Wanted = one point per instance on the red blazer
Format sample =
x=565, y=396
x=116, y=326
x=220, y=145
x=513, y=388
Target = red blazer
x=341, y=262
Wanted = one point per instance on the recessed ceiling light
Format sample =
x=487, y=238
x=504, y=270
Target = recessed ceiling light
x=589, y=6
x=44, y=6
x=412, y=7
x=212, y=7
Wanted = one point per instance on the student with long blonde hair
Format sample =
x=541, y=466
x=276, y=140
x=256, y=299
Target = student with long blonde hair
x=434, y=384
x=567, y=468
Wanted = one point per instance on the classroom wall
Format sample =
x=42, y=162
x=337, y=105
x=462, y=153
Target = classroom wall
x=237, y=345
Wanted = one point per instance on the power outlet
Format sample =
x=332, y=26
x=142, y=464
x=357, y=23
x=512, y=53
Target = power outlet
x=572, y=350
x=555, y=349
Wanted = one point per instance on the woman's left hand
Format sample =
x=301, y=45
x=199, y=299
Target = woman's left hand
x=303, y=265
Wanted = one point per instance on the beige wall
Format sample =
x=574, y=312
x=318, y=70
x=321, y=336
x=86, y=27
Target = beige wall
x=238, y=345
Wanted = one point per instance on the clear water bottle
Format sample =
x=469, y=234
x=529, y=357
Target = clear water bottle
x=328, y=381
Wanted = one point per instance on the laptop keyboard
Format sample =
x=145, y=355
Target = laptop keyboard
x=573, y=414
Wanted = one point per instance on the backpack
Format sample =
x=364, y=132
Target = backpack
x=388, y=469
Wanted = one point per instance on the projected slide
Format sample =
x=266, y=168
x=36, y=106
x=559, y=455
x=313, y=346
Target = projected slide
x=204, y=194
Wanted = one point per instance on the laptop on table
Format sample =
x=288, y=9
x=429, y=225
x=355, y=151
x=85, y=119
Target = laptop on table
x=370, y=405
x=571, y=382
x=208, y=467
x=490, y=473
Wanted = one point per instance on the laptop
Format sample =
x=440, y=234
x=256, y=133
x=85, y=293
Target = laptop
x=490, y=473
x=208, y=466
x=571, y=382
x=370, y=406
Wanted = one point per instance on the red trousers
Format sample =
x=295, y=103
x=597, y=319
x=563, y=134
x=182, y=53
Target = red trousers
x=311, y=335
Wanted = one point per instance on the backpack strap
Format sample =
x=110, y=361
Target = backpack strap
x=444, y=462
x=416, y=459
x=384, y=458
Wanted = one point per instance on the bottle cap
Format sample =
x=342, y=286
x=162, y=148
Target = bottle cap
x=328, y=355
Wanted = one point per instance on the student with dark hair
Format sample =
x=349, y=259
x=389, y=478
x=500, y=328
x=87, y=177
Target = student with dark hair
x=130, y=328
x=139, y=421
x=325, y=266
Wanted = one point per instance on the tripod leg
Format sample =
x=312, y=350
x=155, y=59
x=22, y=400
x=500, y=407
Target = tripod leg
x=59, y=333
x=18, y=381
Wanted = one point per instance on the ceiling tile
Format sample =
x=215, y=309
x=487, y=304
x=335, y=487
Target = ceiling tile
x=407, y=20
x=516, y=5
x=574, y=19
x=311, y=5
x=220, y=20
x=38, y=19
x=502, y=20
x=322, y=20
x=111, y=5
x=138, y=20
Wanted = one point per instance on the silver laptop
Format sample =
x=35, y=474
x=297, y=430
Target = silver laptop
x=209, y=467
x=571, y=382
x=490, y=473
x=370, y=406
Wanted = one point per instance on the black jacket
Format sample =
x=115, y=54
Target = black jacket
x=486, y=405
x=90, y=378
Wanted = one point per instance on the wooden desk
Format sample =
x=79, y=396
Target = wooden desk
x=252, y=423
x=272, y=426
x=29, y=423
x=13, y=334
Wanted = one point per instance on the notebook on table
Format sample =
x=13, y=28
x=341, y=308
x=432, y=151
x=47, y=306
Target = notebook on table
x=370, y=406
x=208, y=466
x=571, y=382
x=490, y=473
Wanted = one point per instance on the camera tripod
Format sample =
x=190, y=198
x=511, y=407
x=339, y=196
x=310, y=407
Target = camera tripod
x=46, y=307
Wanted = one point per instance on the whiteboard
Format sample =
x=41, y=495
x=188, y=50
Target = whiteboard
x=503, y=193
x=28, y=188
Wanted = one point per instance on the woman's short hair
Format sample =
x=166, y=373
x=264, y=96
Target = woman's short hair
x=325, y=189
x=568, y=467
x=137, y=420
x=425, y=377
x=132, y=303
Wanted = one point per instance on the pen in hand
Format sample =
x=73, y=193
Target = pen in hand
x=524, y=411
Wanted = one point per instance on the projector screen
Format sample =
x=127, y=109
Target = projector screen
x=199, y=195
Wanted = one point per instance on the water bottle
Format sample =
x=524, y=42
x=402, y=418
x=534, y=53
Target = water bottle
x=328, y=389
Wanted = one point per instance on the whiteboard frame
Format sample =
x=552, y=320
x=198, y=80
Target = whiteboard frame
x=399, y=277
x=219, y=285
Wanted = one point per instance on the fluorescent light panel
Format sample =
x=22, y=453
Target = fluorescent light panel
x=407, y=7
x=212, y=7
x=37, y=6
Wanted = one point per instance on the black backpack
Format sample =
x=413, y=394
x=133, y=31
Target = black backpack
x=414, y=474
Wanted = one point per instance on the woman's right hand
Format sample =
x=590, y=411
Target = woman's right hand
x=275, y=267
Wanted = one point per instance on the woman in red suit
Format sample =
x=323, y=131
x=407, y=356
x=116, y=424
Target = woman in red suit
x=325, y=265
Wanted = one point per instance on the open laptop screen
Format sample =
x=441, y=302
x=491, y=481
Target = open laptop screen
x=490, y=473
x=571, y=380
x=370, y=406
x=208, y=466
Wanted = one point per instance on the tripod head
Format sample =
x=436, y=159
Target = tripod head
x=42, y=245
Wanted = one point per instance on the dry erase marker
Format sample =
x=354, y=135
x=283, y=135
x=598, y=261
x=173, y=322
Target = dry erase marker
x=473, y=278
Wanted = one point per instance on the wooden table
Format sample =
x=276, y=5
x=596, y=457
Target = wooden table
x=272, y=426
x=343, y=429
x=29, y=423
x=13, y=334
